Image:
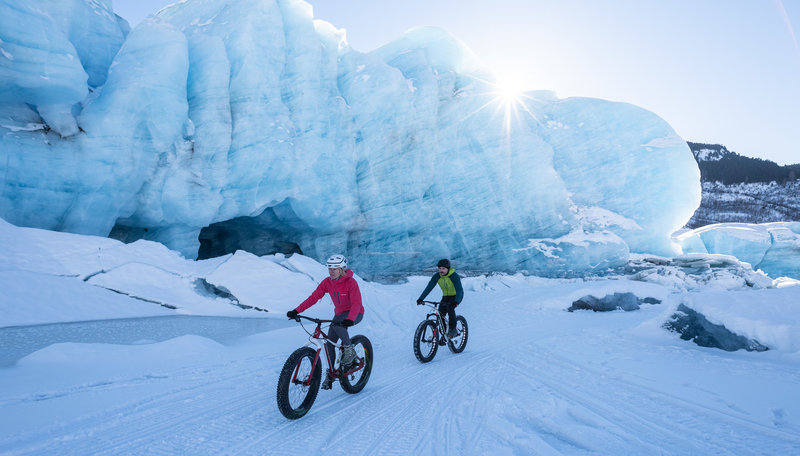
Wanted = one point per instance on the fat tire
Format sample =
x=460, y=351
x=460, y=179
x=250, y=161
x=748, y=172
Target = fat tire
x=426, y=329
x=301, y=355
x=359, y=342
x=461, y=325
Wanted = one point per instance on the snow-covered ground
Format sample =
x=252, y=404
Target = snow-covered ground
x=185, y=359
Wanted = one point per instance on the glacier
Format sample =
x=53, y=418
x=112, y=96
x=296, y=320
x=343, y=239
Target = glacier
x=773, y=248
x=220, y=125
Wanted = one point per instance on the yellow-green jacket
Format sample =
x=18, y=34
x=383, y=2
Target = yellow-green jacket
x=450, y=284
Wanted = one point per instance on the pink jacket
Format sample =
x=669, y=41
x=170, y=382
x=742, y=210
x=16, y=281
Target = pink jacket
x=344, y=293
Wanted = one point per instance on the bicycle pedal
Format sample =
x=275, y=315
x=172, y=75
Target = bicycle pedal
x=442, y=342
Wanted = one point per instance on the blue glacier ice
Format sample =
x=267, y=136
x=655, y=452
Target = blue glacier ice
x=773, y=248
x=218, y=125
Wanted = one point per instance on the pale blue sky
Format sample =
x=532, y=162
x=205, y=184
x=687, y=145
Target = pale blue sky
x=719, y=71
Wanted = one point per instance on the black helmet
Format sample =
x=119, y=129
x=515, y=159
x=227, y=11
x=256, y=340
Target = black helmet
x=443, y=263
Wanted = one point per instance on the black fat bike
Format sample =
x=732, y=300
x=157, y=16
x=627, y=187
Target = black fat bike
x=432, y=332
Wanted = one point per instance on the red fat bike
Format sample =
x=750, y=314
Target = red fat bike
x=301, y=375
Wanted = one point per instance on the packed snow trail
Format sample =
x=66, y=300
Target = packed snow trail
x=533, y=379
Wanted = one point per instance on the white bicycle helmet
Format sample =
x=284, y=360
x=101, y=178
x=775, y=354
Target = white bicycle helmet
x=337, y=261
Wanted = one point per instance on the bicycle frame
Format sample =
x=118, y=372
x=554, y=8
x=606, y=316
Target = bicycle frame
x=299, y=380
x=440, y=325
x=319, y=341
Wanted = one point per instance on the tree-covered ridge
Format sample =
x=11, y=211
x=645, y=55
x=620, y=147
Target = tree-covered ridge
x=755, y=202
x=718, y=164
x=743, y=189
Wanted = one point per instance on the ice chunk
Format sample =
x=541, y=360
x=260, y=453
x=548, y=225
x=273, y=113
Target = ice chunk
x=695, y=271
x=771, y=247
x=783, y=256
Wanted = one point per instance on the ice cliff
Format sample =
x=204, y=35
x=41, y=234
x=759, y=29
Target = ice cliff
x=219, y=125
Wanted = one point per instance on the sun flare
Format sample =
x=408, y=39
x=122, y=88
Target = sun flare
x=505, y=96
x=509, y=88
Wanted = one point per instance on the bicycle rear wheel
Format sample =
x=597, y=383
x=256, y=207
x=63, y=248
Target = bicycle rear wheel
x=457, y=344
x=298, y=383
x=426, y=341
x=357, y=378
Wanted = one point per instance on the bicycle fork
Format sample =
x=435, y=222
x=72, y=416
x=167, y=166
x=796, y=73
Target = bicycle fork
x=439, y=329
x=326, y=364
x=307, y=381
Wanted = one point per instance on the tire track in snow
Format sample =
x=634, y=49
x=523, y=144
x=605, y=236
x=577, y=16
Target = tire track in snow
x=383, y=395
x=409, y=402
x=160, y=418
x=631, y=409
x=568, y=406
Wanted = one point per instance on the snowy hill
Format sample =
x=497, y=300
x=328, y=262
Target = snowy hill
x=756, y=202
x=740, y=189
x=164, y=364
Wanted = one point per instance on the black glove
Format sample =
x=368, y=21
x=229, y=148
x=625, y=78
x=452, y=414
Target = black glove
x=347, y=323
x=419, y=302
x=292, y=314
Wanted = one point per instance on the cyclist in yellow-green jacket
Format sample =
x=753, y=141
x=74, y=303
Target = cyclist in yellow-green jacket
x=452, y=293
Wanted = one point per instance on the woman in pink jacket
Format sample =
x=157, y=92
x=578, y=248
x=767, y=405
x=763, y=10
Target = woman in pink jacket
x=348, y=311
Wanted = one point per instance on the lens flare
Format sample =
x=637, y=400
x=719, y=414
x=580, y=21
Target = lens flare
x=509, y=88
x=505, y=96
x=789, y=28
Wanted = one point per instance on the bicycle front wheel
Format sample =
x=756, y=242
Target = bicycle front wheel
x=457, y=344
x=426, y=341
x=356, y=377
x=298, y=383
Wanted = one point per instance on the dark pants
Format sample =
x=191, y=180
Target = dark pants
x=337, y=331
x=448, y=307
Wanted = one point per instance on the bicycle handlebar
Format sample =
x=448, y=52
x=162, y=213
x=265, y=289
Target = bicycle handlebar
x=430, y=302
x=315, y=320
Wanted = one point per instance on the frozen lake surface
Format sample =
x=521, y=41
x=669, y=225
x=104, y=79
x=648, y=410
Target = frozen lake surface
x=20, y=341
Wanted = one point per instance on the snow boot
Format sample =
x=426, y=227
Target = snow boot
x=348, y=355
x=328, y=382
x=452, y=332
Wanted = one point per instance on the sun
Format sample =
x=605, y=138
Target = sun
x=508, y=87
x=505, y=94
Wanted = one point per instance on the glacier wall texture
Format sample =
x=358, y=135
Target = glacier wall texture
x=249, y=124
